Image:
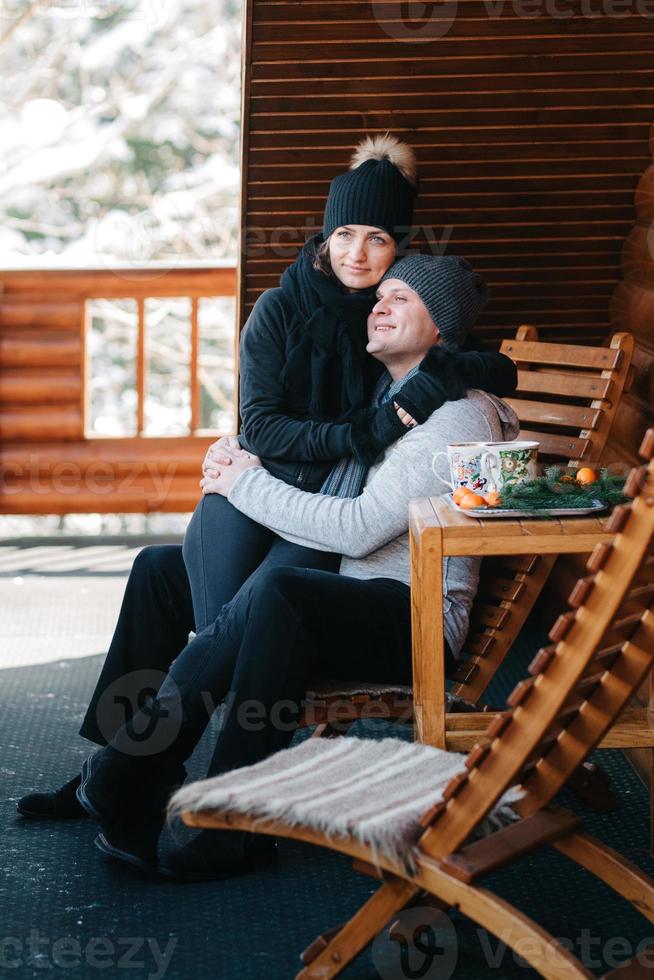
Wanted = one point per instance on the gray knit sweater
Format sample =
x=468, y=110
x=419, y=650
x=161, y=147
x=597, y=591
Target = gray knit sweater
x=371, y=531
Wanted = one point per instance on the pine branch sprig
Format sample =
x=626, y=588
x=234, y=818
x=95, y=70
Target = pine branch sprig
x=557, y=488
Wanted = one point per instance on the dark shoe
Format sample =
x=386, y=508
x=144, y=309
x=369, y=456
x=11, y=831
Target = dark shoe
x=216, y=854
x=62, y=804
x=128, y=796
x=98, y=809
x=139, y=855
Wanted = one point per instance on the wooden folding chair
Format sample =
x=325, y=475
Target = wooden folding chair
x=426, y=847
x=566, y=400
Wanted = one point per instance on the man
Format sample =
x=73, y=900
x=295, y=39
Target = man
x=287, y=624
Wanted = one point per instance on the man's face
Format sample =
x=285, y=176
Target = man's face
x=399, y=323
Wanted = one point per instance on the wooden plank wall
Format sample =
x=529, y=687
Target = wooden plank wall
x=531, y=133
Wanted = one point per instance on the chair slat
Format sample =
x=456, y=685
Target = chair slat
x=581, y=591
x=487, y=615
x=559, y=447
x=620, y=630
x=603, y=660
x=598, y=556
x=560, y=355
x=551, y=383
x=546, y=413
x=542, y=659
x=491, y=587
x=510, y=563
x=480, y=646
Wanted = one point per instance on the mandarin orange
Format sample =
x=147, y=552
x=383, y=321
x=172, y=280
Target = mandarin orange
x=586, y=475
x=471, y=500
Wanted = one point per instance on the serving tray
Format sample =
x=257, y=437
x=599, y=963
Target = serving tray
x=485, y=512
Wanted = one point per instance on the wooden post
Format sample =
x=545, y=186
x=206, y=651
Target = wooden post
x=427, y=632
x=196, y=420
x=140, y=367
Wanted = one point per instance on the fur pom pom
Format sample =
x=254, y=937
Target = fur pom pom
x=387, y=148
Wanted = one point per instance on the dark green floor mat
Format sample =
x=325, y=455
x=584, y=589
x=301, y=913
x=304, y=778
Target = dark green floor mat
x=66, y=913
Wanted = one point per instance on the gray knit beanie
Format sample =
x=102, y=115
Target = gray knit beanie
x=377, y=190
x=452, y=291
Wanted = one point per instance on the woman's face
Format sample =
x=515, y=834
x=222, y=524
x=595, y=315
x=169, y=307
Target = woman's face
x=360, y=255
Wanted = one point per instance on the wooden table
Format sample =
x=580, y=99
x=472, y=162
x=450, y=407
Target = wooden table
x=437, y=531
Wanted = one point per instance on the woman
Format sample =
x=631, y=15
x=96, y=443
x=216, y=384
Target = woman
x=306, y=383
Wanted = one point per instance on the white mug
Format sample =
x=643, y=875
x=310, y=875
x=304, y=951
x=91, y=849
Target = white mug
x=487, y=466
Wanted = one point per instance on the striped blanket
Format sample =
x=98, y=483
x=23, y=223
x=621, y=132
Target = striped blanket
x=374, y=791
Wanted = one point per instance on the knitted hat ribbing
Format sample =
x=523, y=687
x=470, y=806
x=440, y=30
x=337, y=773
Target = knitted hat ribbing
x=374, y=191
x=452, y=291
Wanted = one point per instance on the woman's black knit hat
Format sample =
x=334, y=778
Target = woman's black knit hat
x=452, y=291
x=378, y=190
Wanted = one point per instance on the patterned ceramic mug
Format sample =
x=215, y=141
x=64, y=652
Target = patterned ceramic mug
x=486, y=466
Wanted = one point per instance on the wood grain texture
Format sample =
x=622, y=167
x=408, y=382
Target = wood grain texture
x=531, y=136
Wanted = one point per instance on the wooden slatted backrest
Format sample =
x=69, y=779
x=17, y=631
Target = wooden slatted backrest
x=567, y=394
x=602, y=651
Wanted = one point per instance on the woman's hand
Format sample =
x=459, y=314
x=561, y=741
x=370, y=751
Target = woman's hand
x=221, y=477
x=217, y=454
x=404, y=417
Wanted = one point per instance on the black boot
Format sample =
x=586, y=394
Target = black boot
x=128, y=797
x=62, y=804
x=216, y=854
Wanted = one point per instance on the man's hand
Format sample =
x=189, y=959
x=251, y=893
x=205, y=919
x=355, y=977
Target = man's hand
x=221, y=477
x=220, y=453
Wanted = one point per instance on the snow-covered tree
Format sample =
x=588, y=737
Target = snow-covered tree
x=119, y=130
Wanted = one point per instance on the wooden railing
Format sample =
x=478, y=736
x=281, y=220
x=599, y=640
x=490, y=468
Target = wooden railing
x=49, y=460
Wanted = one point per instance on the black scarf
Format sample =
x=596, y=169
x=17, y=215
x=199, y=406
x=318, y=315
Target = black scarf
x=330, y=358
